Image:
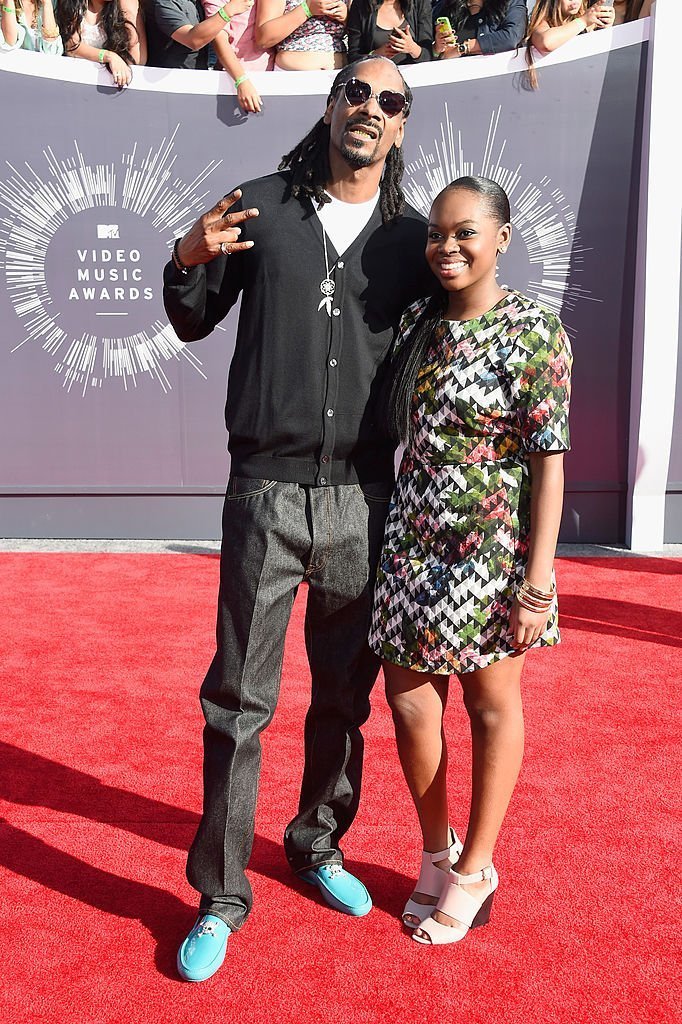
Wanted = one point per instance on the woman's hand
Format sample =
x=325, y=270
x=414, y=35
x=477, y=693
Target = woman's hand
x=340, y=12
x=235, y=7
x=324, y=8
x=248, y=98
x=385, y=50
x=401, y=41
x=444, y=43
x=598, y=16
x=120, y=71
x=526, y=626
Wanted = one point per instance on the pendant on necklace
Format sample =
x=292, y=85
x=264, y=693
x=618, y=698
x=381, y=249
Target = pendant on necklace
x=327, y=287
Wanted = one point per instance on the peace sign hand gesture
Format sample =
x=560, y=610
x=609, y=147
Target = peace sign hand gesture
x=215, y=233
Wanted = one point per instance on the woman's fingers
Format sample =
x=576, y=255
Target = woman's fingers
x=526, y=627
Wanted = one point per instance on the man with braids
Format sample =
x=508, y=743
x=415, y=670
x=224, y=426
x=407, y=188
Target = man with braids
x=326, y=255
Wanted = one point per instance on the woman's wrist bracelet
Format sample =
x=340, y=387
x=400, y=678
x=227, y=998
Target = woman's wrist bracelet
x=9, y=10
x=543, y=595
x=101, y=56
x=533, y=599
x=227, y=18
x=240, y=80
x=306, y=10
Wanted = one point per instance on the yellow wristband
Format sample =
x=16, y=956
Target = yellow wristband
x=101, y=55
x=306, y=10
x=226, y=17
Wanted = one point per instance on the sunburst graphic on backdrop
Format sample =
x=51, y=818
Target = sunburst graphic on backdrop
x=541, y=214
x=82, y=246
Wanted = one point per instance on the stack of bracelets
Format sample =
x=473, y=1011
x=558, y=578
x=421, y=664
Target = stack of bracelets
x=534, y=600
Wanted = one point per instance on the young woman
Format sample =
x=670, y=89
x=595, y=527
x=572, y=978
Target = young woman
x=398, y=29
x=29, y=25
x=480, y=26
x=108, y=32
x=465, y=587
x=307, y=35
x=555, y=22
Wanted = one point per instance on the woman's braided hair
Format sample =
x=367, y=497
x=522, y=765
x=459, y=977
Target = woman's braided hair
x=309, y=160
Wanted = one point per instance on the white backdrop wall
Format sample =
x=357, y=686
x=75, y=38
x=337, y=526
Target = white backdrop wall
x=114, y=429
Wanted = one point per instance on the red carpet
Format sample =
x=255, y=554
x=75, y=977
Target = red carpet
x=100, y=780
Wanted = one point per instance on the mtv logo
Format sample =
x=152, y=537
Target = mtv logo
x=107, y=231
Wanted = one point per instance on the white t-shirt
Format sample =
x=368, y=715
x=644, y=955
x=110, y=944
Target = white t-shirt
x=343, y=222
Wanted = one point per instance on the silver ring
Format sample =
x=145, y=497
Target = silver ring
x=224, y=248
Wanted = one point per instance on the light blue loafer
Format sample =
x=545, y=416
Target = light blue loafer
x=340, y=889
x=203, y=951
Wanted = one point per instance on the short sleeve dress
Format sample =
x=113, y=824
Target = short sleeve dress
x=490, y=392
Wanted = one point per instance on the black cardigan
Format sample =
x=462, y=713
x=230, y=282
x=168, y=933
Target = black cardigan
x=305, y=384
x=362, y=19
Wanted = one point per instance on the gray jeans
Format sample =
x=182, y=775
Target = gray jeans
x=275, y=535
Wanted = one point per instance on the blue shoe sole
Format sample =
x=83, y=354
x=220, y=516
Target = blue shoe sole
x=332, y=900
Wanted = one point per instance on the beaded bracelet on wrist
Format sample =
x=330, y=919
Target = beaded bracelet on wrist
x=177, y=262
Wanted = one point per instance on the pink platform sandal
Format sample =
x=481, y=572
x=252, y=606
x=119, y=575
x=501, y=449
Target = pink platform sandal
x=467, y=910
x=430, y=882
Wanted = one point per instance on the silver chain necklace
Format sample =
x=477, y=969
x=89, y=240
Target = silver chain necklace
x=327, y=286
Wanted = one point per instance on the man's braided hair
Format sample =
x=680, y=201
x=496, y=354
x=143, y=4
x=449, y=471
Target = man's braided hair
x=309, y=160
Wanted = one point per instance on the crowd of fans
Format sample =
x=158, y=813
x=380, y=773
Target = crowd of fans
x=242, y=36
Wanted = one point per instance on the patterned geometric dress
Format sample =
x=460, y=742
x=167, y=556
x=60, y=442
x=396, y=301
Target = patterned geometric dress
x=490, y=392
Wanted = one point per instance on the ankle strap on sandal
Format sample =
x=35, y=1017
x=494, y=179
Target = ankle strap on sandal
x=485, y=874
x=442, y=855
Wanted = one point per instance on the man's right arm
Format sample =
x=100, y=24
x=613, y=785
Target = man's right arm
x=199, y=299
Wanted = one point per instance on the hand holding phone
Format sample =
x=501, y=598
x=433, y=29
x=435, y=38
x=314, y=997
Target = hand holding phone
x=445, y=37
x=600, y=14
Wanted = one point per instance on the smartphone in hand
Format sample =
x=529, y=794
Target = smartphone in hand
x=443, y=27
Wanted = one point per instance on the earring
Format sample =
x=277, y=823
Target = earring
x=502, y=250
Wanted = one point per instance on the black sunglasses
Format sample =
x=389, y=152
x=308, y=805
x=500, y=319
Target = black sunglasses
x=358, y=92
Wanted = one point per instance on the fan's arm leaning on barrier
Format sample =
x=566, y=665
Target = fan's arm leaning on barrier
x=506, y=36
x=200, y=299
x=247, y=94
x=545, y=39
x=195, y=37
x=118, y=67
x=10, y=28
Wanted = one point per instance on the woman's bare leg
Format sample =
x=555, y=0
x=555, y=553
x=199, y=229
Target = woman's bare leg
x=417, y=701
x=492, y=698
